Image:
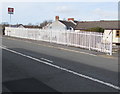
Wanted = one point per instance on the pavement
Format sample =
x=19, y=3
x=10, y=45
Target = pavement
x=69, y=48
x=36, y=66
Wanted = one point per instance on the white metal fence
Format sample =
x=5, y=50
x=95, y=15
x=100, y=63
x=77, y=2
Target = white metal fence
x=88, y=40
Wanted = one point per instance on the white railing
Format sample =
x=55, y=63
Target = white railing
x=88, y=40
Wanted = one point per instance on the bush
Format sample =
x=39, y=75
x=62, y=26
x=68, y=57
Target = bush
x=96, y=29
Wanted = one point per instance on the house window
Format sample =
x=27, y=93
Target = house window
x=118, y=33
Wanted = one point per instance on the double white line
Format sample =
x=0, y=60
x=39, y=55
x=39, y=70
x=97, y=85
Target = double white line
x=64, y=69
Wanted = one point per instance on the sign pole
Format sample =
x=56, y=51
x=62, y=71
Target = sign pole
x=10, y=11
x=10, y=20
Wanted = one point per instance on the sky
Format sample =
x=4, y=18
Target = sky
x=37, y=12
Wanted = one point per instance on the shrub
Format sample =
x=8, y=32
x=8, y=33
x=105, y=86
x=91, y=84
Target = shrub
x=96, y=29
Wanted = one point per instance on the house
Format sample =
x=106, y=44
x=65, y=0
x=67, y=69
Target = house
x=26, y=26
x=20, y=26
x=32, y=26
x=62, y=25
x=108, y=26
x=16, y=26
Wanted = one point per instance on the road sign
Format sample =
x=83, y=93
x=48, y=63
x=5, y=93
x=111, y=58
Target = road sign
x=10, y=10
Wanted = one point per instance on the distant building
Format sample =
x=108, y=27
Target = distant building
x=26, y=26
x=1, y=30
x=61, y=24
x=108, y=26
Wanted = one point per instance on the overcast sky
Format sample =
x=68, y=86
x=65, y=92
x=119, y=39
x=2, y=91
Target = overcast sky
x=37, y=12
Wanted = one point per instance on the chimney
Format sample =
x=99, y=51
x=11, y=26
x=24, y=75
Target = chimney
x=56, y=18
x=70, y=19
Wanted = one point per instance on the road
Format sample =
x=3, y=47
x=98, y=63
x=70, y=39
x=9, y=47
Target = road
x=33, y=66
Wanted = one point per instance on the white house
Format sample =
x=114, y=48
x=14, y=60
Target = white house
x=62, y=25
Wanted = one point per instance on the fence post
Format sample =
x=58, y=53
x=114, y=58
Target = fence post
x=111, y=39
x=67, y=38
x=50, y=36
x=90, y=41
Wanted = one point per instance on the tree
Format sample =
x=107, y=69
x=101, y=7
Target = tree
x=96, y=29
x=44, y=23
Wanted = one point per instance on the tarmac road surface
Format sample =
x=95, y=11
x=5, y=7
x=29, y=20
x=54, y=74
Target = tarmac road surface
x=29, y=67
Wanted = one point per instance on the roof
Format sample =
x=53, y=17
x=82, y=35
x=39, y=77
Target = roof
x=68, y=24
x=25, y=26
x=75, y=21
x=102, y=24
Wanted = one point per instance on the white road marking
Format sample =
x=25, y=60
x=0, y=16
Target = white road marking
x=46, y=60
x=3, y=46
x=67, y=70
